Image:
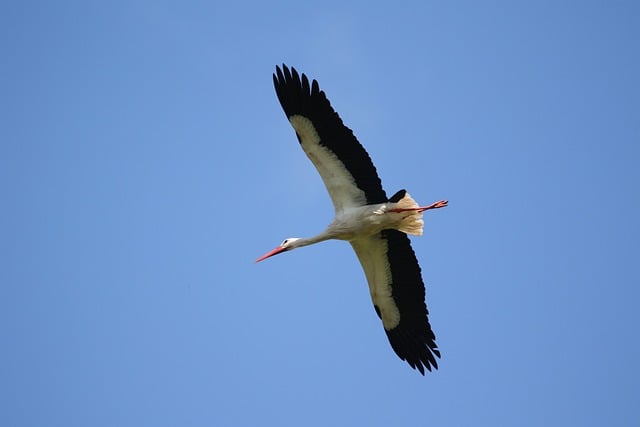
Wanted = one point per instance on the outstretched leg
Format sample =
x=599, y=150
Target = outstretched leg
x=436, y=205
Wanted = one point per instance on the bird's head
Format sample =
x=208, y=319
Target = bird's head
x=286, y=245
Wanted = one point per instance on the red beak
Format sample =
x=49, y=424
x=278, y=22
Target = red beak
x=276, y=251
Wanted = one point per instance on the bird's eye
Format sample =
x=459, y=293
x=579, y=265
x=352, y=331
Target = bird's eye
x=285, y=242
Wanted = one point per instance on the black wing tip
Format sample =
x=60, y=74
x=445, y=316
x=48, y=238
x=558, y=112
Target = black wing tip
x=281, y=72
x=286, y=75
x=289, y=75
x=294, y=90
x=419, y=352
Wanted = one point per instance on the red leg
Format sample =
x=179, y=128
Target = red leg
x=436, y=205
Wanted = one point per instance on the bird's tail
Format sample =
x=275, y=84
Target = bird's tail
x=411, y=222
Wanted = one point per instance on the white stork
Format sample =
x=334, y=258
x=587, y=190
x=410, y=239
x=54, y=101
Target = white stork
x=376, y=226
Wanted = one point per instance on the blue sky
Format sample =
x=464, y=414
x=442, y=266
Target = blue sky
x=145, y=163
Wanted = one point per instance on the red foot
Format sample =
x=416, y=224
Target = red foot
x=436, y=205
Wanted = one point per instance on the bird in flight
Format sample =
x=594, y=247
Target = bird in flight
x=376, y=226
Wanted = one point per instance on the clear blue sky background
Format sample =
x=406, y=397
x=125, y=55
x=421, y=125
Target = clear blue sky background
x=145, y=163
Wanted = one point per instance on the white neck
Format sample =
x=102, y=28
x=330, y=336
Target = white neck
x=306, y=241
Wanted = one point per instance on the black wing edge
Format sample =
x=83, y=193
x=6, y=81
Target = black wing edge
x=299, y=97
x=398, y=196
x=413, y=339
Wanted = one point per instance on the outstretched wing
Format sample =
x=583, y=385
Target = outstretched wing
x=344, y=165
x=398, y=295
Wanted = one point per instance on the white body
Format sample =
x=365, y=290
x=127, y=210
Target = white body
x=361, y=227
x=364, y=221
